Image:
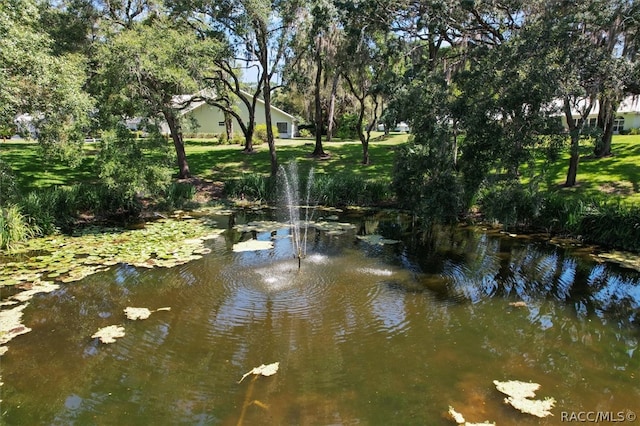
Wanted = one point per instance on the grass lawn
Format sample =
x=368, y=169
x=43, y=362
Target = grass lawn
x=617, y=176
x=210, y=161
x=32, y=171
x=223, y=162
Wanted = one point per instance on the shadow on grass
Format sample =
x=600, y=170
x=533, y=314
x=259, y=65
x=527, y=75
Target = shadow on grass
x=221, y=163
x=33, y=171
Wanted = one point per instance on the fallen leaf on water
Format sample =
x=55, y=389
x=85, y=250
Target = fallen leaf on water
x=517, y=389
x=519, y=398
x=141, y=313
x=459, y=419
x=265, y=370
x=137, y=313
x=109, y=334
x=538, y=408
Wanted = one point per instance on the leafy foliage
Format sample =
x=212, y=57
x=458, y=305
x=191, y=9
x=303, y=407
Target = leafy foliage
x=128, y=166
x=44, y=89
x=425, y=185
x=348, y=127
x=13, y=227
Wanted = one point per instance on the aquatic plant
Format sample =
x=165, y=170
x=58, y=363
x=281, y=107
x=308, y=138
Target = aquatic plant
x=14, y=227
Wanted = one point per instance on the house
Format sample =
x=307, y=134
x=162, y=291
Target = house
x=200, y=117
x=627, y=116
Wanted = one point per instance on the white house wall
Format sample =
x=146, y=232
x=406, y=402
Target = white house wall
x=210, y=119
x=629, y=109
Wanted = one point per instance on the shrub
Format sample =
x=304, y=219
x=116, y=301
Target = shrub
x=347, y=127
x=427, y=185
x=260, y=133
x=305, y=133
x=128, y=167
x=237, y=140
x=511, y=203
x=223, y=139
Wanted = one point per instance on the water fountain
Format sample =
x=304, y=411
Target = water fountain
x=291, y=197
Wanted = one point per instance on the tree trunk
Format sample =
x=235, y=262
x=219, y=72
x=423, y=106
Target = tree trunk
x=318, y=151
x=270, y=137
x=572, y=173
x=575, y=131
x=365, y=152
x=228, y=125
x=176, y=135
x=248, y=139
x=606, y=117
x=363, y=139
x=332, y=107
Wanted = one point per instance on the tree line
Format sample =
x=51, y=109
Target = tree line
x=480, y=82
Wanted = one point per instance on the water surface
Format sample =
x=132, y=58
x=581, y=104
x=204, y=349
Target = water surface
x=364, y=333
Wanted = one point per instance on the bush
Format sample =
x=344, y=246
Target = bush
x=348, y=127
x=427, y=185
x=260, y=134
x=305, y=133
x=223, y=139
x=128, y=167
x=237, y=140
x=8, y=188
x=511, y=203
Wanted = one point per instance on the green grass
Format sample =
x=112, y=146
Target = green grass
x=32, y=171
x=224, y=162
x=615, y=176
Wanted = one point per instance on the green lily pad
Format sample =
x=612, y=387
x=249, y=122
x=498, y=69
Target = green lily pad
x=252, y=245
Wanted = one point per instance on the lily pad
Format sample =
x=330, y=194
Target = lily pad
x=517, y=389
x=264, y=370
x=141, y=313
x=459, y=419
x=252, y=245
x=519, y=394
x=376, y=239
x=109, y=334
x=38, y=287
x=11, y=325
x=535, y=407
x=137, y=313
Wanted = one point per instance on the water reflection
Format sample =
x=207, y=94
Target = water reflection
x=364, y=333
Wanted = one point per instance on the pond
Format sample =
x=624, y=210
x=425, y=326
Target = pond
x=366, y=331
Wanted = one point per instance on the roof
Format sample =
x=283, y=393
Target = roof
x=629, y=105
x=182, y=99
